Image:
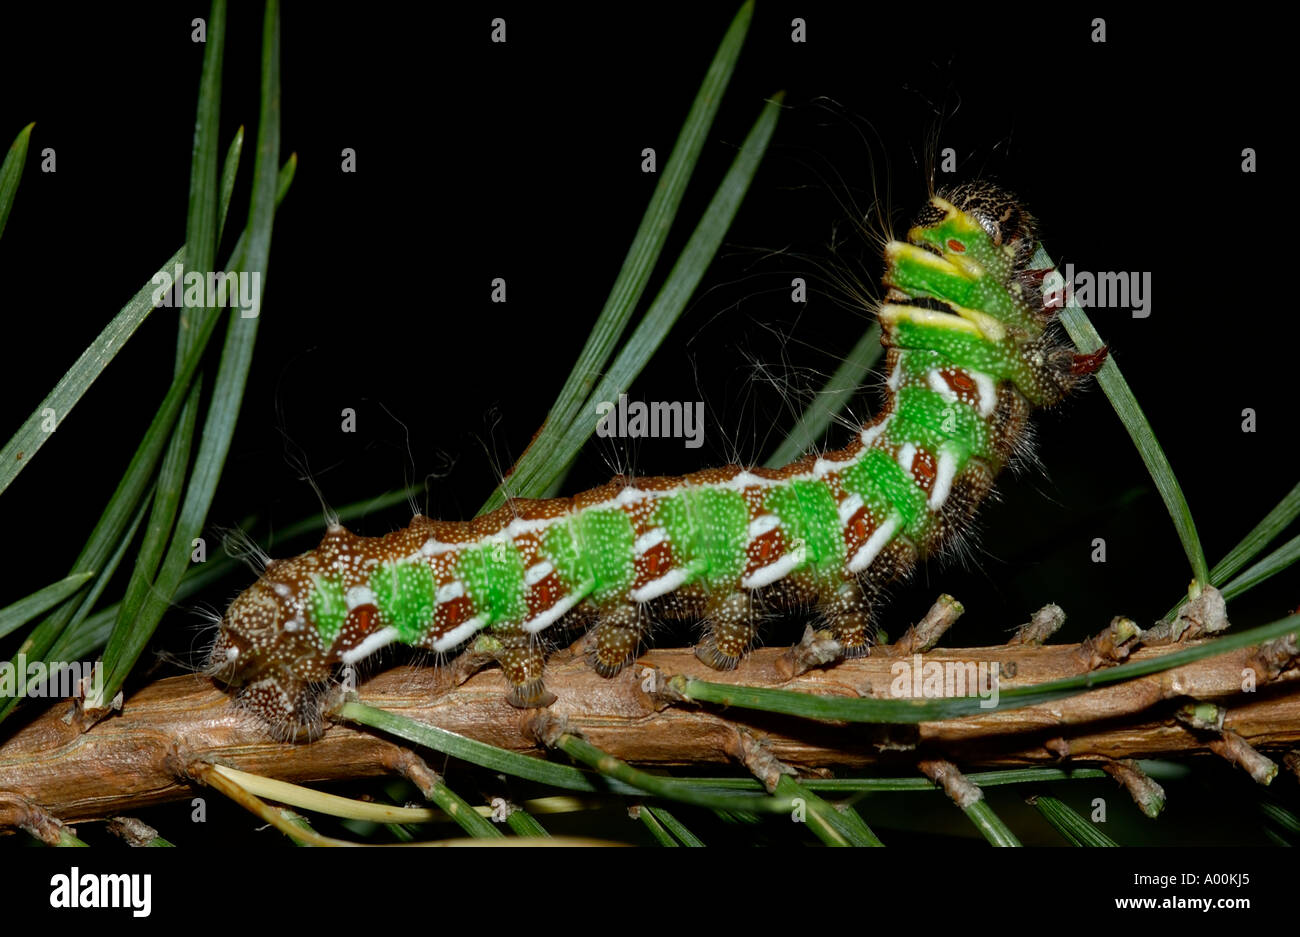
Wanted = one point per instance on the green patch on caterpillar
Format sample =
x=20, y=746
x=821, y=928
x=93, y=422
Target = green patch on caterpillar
x=972, y=350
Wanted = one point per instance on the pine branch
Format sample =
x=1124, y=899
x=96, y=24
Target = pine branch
x=140, y=756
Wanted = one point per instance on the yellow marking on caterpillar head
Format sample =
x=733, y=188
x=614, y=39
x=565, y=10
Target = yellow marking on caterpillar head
x=891, y=315
x=900, y=252
x=988, y=326
x=954, y=221
x=941, y=203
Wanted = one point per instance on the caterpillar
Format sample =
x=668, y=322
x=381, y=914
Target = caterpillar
x=971, y=351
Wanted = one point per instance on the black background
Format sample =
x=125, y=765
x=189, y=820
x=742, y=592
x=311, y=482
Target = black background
x=522, y=161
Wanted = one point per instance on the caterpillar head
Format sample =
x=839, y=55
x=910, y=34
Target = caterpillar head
x=266, y=652
x=961, y=285
x=979, y=227
x=996, y=210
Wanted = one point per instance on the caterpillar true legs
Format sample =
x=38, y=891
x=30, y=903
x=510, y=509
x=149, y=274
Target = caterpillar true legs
x=971, y=351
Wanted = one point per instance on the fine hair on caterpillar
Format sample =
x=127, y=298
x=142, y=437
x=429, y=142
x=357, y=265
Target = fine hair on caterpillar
x=971, y=352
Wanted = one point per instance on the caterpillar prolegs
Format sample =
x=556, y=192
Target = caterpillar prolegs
x=971, y=351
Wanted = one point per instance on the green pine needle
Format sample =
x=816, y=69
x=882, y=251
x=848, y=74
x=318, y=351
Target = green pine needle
x=19, y=613
x=1270, y=565
x=852, y=785
x=572, y=418
x=900, y=711
x=1273, y=524
x=1280, y=815
x=523, y=823
x=1121, y=397
x=1276, y=521
x=583, y=751
x=826, y=823
x=131, y=635
x=475, y=752
x=1069, y=823
x=86, y=634
x=674, y=826
x=18, y=451
x=656, y=828
x=201, y=233
x=11, y=172
x=990, y=824
x=832, y=399
x=677, y=290
x=459, y=810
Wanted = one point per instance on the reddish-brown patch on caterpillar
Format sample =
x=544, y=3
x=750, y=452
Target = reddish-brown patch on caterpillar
x=924, y=469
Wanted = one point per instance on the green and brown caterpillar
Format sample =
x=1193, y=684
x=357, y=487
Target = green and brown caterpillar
x=971, y=352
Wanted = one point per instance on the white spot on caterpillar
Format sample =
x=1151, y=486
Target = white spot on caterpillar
x=764, y=523
x=849, y=506
x=649, y=540
x=360, y=595
x=896, y=375
x=870, y=433
x=661, y=586
x=778, y=570
x=433, y=547
x=459, y=633
x=630, y=496
x=282, y=590
x=875, y=543
x=372, y=643
x=988, y=392
x=906, y=455
x=941, y=387
x=231, y=653
x=823, y=467
x=943, y=479
x=553, y=614
x=537, y=572
x=452, y=590
x=518, y=527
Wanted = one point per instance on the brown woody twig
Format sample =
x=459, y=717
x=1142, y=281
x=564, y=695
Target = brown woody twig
x=138, y=757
